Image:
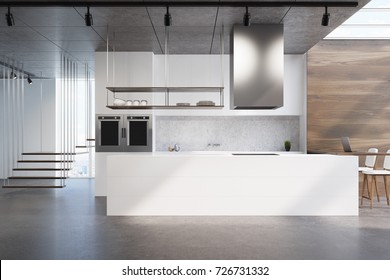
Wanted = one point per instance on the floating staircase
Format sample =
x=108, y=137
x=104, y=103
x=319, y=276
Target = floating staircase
x=43, y=161
x=41, y=170
x=87, y=146
x=47, y=154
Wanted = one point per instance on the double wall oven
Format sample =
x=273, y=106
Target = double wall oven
x=124, y=133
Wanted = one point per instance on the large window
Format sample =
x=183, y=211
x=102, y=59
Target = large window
x=81, y=135
x=84, y=162
x=371, y=22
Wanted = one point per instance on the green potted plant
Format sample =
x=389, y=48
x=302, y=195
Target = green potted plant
x=287, y=145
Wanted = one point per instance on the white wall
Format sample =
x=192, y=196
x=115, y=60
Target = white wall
x=39, y=119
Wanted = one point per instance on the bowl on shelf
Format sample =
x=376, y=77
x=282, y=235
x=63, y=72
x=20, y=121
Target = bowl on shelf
x=129, y=103
x=144, y=102
x=205, y=103
x=119, y=102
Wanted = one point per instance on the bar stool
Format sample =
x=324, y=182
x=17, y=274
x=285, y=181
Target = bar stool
x=374, y=173
x=369, y=164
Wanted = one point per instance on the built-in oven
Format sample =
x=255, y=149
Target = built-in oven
x=108, y=133
x=138, y=130
x=123, y=133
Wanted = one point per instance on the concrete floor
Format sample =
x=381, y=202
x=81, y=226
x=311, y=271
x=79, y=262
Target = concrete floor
x=70, y=223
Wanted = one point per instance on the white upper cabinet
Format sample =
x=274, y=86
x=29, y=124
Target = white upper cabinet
x=129, y=69
x=188, y=71
x=145, y=69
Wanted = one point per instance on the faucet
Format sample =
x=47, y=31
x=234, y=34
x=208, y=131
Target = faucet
x=175, y=148
x=213, y=145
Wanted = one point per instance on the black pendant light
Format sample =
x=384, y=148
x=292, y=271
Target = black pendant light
x=247, y=18
x=167, y=18
x=88, y=18
x=9, y=17
x=325, y=18
x=13, y=75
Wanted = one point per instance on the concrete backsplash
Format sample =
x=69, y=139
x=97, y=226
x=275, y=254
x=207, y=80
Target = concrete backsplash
x=246, y=133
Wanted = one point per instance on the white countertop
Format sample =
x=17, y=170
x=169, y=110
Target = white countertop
x=217, y=153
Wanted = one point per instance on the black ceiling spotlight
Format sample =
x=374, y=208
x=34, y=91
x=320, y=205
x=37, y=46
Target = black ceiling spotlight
x=29, y=80
x=88, y=18
x=325, y=17
x=13, y=75
x=167, y=18
x=9, y=17
x=247, y=18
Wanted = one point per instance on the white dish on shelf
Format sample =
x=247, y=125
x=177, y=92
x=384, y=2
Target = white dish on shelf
x=205, y=103
x=182, y=104
x=129, y=103
x=119, y=102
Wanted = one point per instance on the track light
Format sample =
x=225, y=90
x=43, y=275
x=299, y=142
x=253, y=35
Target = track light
x=167, y=18
x=9, y=17
x=29, y=80
x=247, y=18
x=88, y=18
x=13, y=75
x=325, y=18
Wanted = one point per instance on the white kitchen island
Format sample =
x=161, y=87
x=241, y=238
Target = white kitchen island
x=188, y=184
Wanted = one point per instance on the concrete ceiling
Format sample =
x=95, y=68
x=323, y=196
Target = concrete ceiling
x=41, y=34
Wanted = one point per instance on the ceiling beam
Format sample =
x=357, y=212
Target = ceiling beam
x=179, y=3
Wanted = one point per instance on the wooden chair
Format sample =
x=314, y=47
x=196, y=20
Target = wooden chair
x=374, y=173
x=369, y=164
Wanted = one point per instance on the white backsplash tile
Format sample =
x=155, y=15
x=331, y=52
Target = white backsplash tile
x=247, y=133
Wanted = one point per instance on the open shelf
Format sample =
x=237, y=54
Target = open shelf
x=162, y=107
x=163, y=89
x=166, y=91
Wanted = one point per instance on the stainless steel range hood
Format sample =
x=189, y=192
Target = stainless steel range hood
x=257, y=67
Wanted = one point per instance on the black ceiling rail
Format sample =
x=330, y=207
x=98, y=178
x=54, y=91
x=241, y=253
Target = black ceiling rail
x=179, y=3
x=17, y=69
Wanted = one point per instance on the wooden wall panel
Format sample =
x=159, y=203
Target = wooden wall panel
x=349, y=95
